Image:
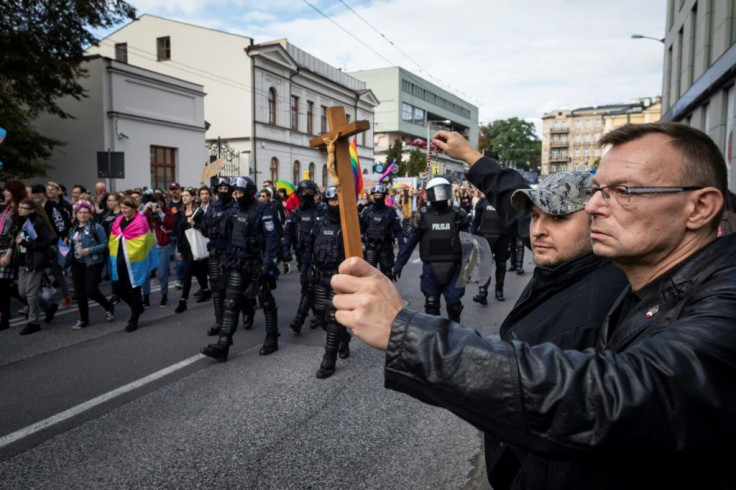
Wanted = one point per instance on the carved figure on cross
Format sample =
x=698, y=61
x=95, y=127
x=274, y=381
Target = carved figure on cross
x=338, y=154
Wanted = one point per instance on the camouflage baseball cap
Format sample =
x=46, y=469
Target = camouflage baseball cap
x=558, y=194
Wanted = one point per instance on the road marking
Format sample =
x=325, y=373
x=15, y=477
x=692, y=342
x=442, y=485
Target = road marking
x=67, y=414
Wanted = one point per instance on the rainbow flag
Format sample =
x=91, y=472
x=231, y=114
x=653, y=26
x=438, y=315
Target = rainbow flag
x=139, y=248
x=357, y=173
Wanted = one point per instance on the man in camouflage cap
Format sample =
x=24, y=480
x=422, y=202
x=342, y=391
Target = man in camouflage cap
x=559, y=228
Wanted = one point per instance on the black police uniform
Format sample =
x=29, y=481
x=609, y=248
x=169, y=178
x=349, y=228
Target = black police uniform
x=487, y=224
x=438, y=234
x=253, y=247
x=380, y=225
x=323, y=253
x=297, y=228
x=218, y=228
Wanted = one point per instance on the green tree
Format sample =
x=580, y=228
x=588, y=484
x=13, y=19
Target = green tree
x=417, y=163
x=511, y=141
x=42, y=44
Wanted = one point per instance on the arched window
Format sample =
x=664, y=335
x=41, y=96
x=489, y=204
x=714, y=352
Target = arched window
x=274, y=169
x=296, y=172
x=311, y=170
x=324, y=176
x=272, y=106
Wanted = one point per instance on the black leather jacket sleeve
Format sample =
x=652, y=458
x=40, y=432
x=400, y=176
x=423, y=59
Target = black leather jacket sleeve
x=671, y=390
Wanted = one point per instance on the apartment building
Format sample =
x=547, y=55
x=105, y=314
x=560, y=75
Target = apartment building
x=570, y=137
x=700, y=70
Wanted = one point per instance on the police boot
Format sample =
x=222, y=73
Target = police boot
x=432, y=305
x=327, y=368
x=271, y=344
x=249, y=314
x=482, y=296
x=344, y=350
x=454, y=310
x=301, y=314
x=218, y=351
x=218, y=300
x=500, y=279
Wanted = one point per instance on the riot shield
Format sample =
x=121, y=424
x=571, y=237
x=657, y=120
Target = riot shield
x=477, y=263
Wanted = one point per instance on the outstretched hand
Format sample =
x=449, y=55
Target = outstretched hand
x=456, y=146
x=366, y=301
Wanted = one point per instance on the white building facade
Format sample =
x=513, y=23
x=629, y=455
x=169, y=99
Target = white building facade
x=264, y=102
x=155, y=121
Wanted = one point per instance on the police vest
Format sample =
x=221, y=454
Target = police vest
x=305, y=217
x=328, y=247
x=490, y=221
x=218, y=234
x=440, y=240
x=248, y=239
x=379, y=224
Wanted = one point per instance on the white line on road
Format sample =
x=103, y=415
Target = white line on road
x=67, y=414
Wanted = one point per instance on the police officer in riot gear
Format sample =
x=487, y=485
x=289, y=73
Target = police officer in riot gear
x=323, y=253
x=380, y=226
x=438, y=235
x=253, y=246
x=296, y=232
x=217, y=227
x=487, y=224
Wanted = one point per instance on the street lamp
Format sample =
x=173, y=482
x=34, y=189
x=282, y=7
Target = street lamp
x=640, y=36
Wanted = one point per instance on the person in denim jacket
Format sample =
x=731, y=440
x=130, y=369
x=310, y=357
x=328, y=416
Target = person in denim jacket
x=88, y=243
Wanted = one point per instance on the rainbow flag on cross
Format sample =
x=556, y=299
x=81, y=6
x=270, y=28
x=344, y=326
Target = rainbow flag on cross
x=357, y=173
x=139, y=249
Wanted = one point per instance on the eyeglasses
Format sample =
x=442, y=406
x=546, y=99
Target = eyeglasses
x=25, y=207
x=621, y=194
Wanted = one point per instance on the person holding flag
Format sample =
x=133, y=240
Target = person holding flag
x=132, y=257
x=33, y=244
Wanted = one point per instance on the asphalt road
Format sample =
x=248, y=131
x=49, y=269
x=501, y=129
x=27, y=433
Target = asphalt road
x=102, y=408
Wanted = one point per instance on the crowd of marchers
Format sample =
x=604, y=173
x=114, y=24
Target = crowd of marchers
x=234, y=239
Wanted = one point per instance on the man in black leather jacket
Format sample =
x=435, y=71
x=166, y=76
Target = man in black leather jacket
x=652, y=405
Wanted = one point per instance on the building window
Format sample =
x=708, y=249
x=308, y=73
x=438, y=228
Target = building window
x=577, y=125
x=587, y=123
x=311, y=170
x=310, y=116
x=323, y=119
x=418, y=115
x=274, y=169
x=295, y=172
x=121, y=52
x=163, y=166
x=586, y=138
x=163, y=48
x=324, y=176
x=597, y=123
x=272, y=106
x=295, y=113
x=407, y=112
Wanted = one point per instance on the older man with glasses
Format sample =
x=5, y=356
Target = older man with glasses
x=651, y=405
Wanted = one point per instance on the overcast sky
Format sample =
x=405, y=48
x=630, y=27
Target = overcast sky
x=508, y=57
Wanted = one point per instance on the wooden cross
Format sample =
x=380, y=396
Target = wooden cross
x=338, y=152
